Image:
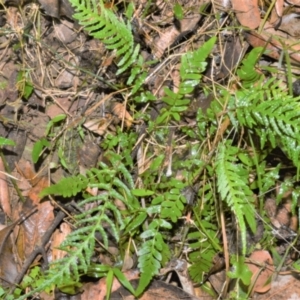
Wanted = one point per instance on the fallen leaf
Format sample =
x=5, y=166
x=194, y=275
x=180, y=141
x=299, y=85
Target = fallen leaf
x=58, y=237
x=261, y=265
x=8, y=265
x=98, y=126
x=247, y=12
x=33, y=228
x=4, y=193
x=120, y=111
x=279, y=6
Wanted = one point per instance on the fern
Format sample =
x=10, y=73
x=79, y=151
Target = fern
x=153, y=253
x=273, y=114
x=247, y=72
x=102, y=24
x=102, y=218
x=234, y=190
x=67, y=187
x=192, y=65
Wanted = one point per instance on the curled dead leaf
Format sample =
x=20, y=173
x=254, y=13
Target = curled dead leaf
x=261, y=265
x=120, y=111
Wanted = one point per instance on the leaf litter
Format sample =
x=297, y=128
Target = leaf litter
x=50, y=67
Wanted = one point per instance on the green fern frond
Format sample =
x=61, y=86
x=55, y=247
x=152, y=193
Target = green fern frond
x=151, y=255
x=232, y=182
x=80, y=243
x=102, y=218
x=273, y=114
x=269, y=107
x=172, y=201
x=192, y=65
x=103, y=24
x=67, y=187
x=247, y=72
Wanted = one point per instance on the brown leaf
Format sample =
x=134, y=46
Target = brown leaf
x=8, y=265
x=261, y=265
x=120, y=111
x=172, y=33
x=98, y=126
x=34, y=227
x=279, y=7
x=247, y=12
x=291, y=25
x=58, y=237
x=4, y=193
x=273, y=42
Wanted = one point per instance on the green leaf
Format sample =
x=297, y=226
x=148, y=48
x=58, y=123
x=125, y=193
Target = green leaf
x=28, y=89
x=142, y=192
x=123, y=280
x=148, y=233
x=54, y=121
x=67, y=187
x=136, y=222
x=178, y=11
x=38, y=147
x=232, y=181
x=240, y=271
x=6, y=142
x=109, y=283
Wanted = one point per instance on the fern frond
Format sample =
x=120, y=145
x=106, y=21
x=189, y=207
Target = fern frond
x=151, y=255
x=273, y=114
x=103, y=218
x=192, y=65
x=278, y=111
x=67, y=187
x=234, y=190
x=103, y=24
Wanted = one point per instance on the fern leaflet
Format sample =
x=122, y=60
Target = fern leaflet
x=234, y=190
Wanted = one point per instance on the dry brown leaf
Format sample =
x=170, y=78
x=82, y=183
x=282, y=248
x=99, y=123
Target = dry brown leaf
x=293, y=2
x=120, y=111
x=247, y=12
x=172, y=33
x=33, y=228
x=4, y=193
x=25, y=169
x=8, y=265
x=279, y=7
x=98, y=126
x=261, y=265
x=274, y=41
x=291, y=25
x=58, y=237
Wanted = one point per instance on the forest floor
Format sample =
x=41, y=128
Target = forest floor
x=63, y=105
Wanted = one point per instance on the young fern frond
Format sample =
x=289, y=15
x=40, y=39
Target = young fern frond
x=103, y=24
x=192, y=65
x=233, y=187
